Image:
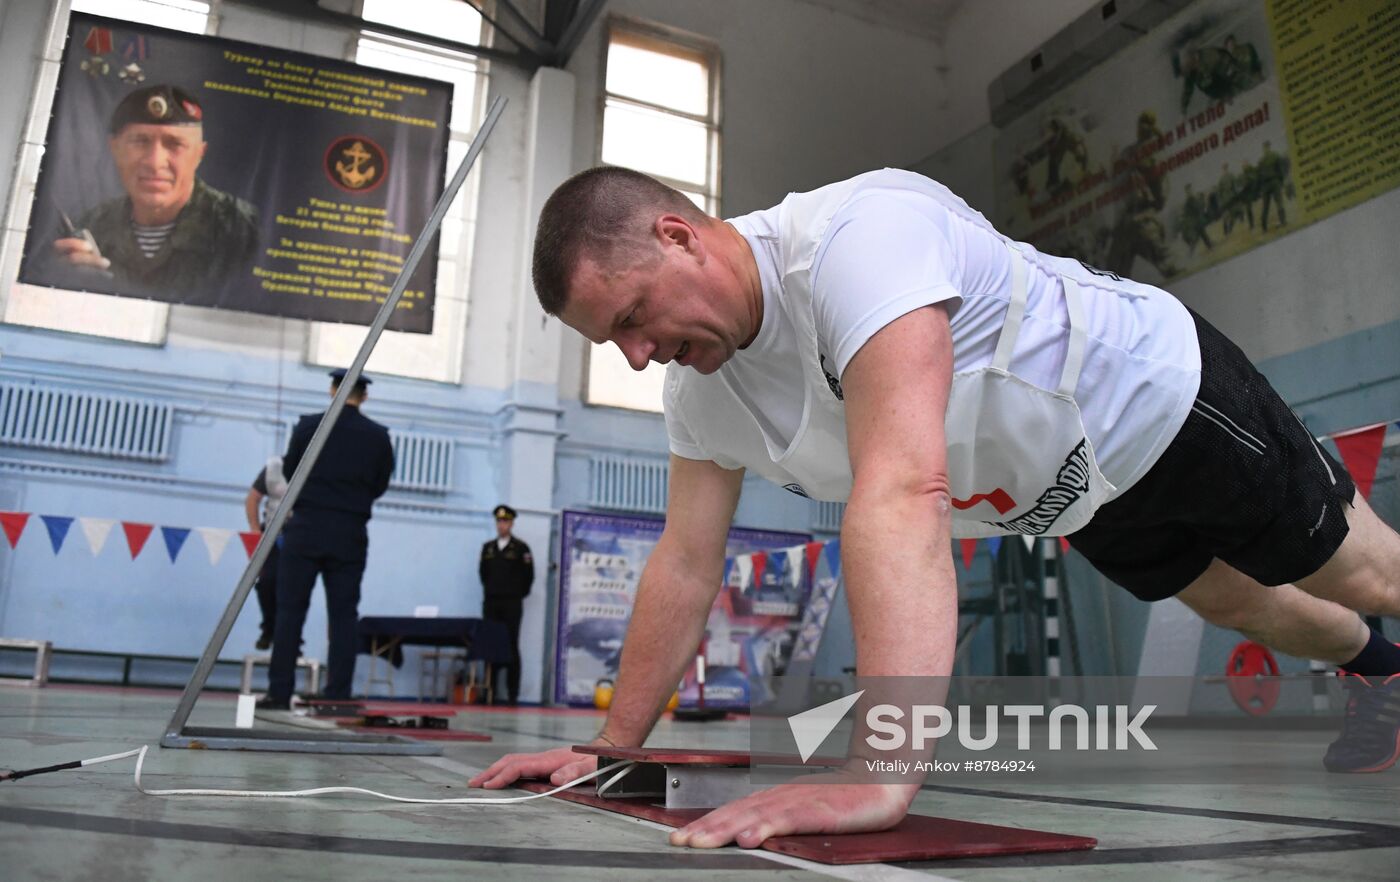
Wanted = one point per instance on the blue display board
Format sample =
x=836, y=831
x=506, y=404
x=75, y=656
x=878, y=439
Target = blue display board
x=601, y=558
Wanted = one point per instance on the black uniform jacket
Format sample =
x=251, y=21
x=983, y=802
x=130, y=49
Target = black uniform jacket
x=353, y=469
x=506, y=572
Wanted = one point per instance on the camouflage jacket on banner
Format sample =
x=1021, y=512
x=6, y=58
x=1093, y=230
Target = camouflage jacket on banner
x=215, y=236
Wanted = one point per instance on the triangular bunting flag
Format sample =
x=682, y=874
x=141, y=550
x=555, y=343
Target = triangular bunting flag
x=1064, y=545
x=745, y=565
x=728, y=568
x=1361, y=454
x=969, y=550
x=794, y=562
x=174, y=540
x=814, y=551
x=760, y=566
x=1029, y=541
x=215, y=541
x=250, y=541
x=994, y=543
x=13, y=522
x=136, y=536
x=833, y=556
x=58, y=529
x=96, y=531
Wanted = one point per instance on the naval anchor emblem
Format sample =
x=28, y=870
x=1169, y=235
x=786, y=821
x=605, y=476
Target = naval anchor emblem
x=356, y=163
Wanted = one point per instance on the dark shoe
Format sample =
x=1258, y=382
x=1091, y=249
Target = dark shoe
x=1370, y=739
x=268, y=703
x=264, y=643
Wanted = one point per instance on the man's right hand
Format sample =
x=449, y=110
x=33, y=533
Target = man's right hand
x=81, y=252
x=561, y=765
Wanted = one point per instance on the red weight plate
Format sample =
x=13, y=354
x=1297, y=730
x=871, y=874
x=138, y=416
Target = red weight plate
x=1252, y=677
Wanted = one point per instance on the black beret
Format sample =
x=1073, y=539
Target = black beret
x=157, y=105
x=504, y=513
x=338, y=375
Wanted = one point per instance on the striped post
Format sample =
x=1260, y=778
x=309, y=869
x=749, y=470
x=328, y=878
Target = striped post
x=1320, y=702
x=1049, y=552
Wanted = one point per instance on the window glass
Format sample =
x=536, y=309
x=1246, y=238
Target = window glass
x=660, y=117
x=658, y=73
x=657, y=143
x=613, y=383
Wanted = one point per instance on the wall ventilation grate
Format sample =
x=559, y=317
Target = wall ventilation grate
x=626, y=483
x=828, y=518
x=422, y=462
x=55, y=418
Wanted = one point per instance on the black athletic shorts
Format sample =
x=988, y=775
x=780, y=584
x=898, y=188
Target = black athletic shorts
x=1243, y=481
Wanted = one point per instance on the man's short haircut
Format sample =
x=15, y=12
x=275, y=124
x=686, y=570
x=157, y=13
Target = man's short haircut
x=604, y=213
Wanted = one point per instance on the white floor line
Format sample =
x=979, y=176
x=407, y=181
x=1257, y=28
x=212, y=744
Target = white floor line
x=850, y=872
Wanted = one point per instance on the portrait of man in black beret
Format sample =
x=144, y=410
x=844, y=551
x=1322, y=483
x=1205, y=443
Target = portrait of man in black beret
x=171, y=231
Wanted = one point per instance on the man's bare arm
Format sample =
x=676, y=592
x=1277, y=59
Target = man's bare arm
x=897, y=566
x=896, y=533
x=250, y=508
x=674, y=596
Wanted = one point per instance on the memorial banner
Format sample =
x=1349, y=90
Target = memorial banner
x=600, y=561
x=209, y=172
x=1225, y=127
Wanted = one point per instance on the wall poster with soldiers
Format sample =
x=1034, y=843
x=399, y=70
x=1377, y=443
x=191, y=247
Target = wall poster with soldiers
x=209, y=172
x=1230, y=124
x=751, y=629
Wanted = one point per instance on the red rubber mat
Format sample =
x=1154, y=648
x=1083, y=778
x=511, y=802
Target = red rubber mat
x=916, y=838
x=417, y=733
x=675, y=756
x=389, y=708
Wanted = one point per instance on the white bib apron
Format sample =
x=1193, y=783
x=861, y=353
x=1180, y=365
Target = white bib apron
x=1019, y=460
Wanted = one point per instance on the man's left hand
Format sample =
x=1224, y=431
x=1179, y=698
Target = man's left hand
x=834, y=802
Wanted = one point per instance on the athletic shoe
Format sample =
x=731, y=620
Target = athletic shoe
x=268, y=703
x=264, y=643
x=1370, y=739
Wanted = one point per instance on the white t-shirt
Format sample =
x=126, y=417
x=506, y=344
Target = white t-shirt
x=901, y=241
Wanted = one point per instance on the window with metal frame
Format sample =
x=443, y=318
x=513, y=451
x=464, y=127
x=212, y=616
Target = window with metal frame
x=659, y=115
x=436, y=356
x=78, y=312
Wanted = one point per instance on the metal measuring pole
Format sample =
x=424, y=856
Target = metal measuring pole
x=176, y=733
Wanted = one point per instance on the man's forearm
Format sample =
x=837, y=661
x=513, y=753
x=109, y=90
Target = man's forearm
x=902, y=593
x=673, y=604
x=895, y=557
x=250, y=508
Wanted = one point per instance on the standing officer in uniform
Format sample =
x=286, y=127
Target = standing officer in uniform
x=172, y=231
x=507, y=570
x=326, y=535
x=264, y=496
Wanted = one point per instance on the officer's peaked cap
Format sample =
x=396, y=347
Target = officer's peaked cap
x=338, y=375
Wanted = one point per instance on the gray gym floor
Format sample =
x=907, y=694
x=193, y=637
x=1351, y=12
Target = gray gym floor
x=93, y=824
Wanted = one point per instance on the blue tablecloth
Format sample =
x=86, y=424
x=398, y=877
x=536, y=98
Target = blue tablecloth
x=387, y=635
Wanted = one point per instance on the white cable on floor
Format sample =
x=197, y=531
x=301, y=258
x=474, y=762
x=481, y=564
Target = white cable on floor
x=140, y=754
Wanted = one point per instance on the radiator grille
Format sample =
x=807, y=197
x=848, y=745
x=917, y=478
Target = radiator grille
x=828, y=519
x=628, y=483
x=422, y=462
x=85, y=422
